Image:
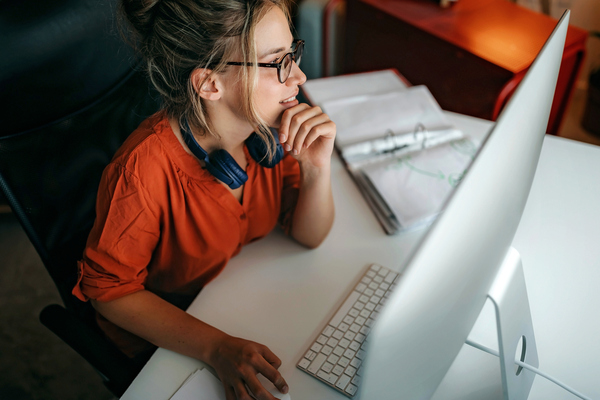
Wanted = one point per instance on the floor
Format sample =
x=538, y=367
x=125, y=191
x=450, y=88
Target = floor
x=35, y=364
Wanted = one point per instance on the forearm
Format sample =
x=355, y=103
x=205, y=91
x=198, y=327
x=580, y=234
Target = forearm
x=314, y=212
x=161, y=323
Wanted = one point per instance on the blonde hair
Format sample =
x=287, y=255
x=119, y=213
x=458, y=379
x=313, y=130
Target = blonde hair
x=175, y=37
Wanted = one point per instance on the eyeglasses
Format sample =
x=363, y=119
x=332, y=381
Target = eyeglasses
x=284, y=65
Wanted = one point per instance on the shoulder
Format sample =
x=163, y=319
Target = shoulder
x=145, y=152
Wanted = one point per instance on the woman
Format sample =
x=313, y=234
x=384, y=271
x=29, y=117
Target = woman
x=169, y=217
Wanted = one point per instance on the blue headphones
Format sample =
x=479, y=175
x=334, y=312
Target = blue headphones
x=222, y=165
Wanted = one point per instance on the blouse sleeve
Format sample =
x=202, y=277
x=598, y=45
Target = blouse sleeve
x=122, y=240
x=289, y=193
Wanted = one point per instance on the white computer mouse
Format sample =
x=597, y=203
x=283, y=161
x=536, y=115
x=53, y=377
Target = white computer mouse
x=272, y=389
x=278, y=395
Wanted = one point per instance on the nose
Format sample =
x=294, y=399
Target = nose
x=296, y=77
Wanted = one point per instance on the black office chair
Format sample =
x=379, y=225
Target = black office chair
x=70, y=95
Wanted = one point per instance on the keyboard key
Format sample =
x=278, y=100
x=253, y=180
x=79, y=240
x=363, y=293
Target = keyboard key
x=371, y=274
x=369, y=292
x=355, y=362
x=360, y=321
x=355, y=345
x=316, y=347
x=350, y=371
x=351, y=389
x=383, y=272
x=373, y=286
x=344, y=362
x=365, y=313
x=360, y=354
x=328, y=331
x=322, y=339
x=304, y=363
x=365, y=330
x=326, y=350
x=376, y=299
x=315, y=365
x=366, y=280
x=333, y=359
x=323, y=375
x=360, y=337
x=354, y=328
x=327, y=367
x=343, y=310
x=359, y=306
x=361, y=287
x=332, y=379
x=350, y=335
x=391, y=276
x=344, y=342
x=369, y=322
x=343, y=382
x=338, y=334
x=332, y=342
x=349, y=354
x=310, y=355
x=370, y=306
x=363, y=298
x=343, y=327
x=354, y=312
x=338, y=351
x=348, y=320
x=378, y=279
x=375, y=267
x=378, y=308
x=337, y=370
x=356, y=380
x=380, y=292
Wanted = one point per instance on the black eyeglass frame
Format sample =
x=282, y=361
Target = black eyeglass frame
x=299, y=43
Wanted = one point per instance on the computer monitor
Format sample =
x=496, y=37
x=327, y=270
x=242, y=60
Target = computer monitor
x=442, y=291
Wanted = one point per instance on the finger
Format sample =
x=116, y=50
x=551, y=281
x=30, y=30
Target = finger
x=321, y=130
x=229, y=392
x=257, y=389
x=270, y=357
x=268, y=369
x=286, y=119
x=310, y=126
x=297, y=120
x=241, y=392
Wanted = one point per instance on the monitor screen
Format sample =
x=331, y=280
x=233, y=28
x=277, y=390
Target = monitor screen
x=443, y=288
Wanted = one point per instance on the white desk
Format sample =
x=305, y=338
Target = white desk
x=279, y=294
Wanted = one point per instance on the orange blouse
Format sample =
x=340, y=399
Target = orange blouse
x=165, y=224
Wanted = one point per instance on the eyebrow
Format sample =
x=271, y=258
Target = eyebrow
x=277, y=50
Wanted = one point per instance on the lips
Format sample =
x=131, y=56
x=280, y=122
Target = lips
x=288, y=100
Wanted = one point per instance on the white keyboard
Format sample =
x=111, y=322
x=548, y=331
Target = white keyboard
x=335, y=357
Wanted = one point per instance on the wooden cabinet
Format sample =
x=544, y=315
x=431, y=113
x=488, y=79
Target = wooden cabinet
x=471, y=55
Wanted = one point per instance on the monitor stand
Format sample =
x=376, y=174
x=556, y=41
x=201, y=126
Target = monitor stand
x=514, y=327
x=505, y=326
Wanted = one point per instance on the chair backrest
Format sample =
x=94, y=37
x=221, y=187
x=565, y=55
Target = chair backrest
x=70, y=95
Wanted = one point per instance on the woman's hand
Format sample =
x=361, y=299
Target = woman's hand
x=238, y=361
x=308, y=134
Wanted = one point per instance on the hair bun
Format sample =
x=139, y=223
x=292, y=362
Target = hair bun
x=140, y=13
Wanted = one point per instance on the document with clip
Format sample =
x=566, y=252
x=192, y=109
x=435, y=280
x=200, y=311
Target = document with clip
x=398, y=145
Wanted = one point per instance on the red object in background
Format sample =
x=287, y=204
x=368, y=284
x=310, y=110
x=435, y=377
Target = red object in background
x=471, y=55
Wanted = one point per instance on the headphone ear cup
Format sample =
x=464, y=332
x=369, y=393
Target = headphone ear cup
x=258, y=149
x=222, y=165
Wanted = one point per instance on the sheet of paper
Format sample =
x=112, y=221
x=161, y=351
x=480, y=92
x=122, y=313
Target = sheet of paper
x=323, y=90
x=416, y=186
x=201, y=385
x=369, y=117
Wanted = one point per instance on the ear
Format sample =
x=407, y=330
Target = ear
x=207, y=86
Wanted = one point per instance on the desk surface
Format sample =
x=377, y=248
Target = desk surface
x=277, y=293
